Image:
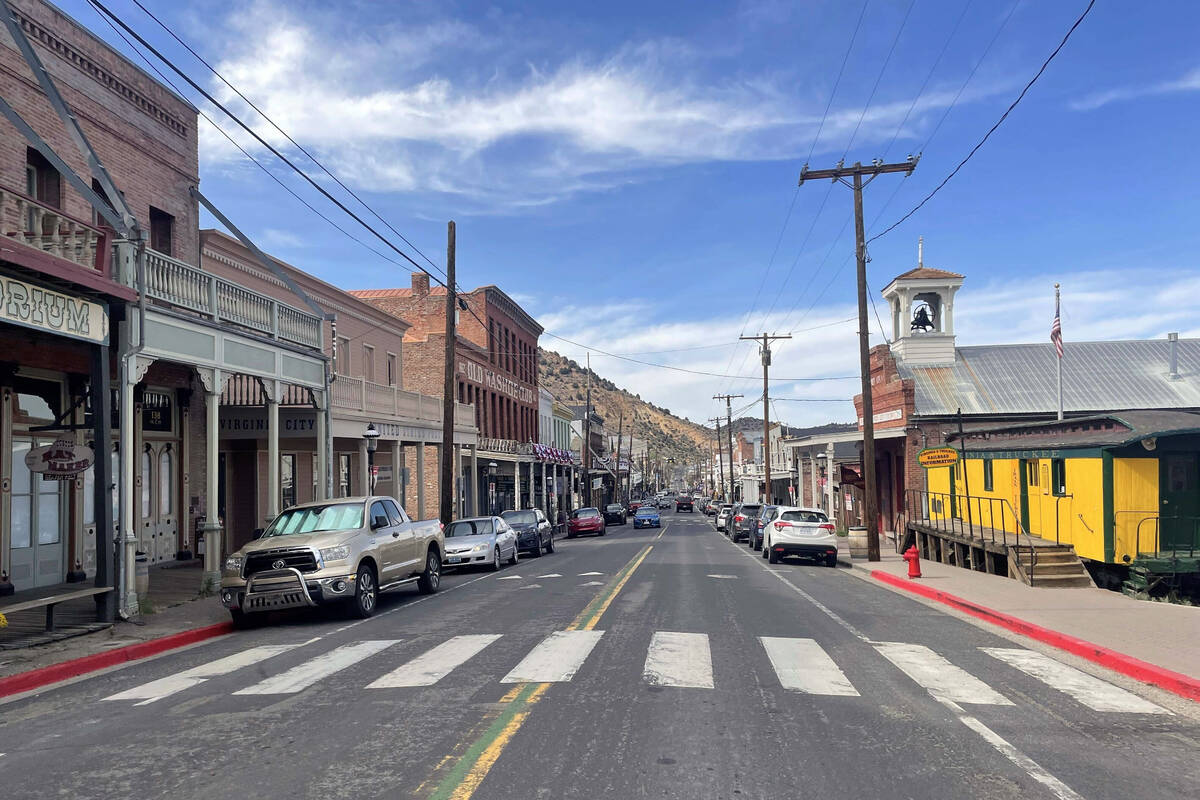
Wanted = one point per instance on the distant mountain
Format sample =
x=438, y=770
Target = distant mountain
x=754, y=425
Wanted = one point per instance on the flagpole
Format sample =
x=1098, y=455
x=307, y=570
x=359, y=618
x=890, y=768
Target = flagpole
x=1060, y=389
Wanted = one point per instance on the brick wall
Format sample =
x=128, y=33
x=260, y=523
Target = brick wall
x=144, y=134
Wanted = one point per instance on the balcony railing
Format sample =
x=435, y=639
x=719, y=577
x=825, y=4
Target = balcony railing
x=45, y=228
x=184, y=286
x=356, y=394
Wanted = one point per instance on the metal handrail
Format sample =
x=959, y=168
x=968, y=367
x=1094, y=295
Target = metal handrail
x=1157, y=519
x=954, y=502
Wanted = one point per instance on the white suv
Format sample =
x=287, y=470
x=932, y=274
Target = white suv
x=724, y=514
x=800, y=532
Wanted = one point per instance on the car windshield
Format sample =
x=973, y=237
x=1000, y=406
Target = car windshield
x=804, y=516
x=614, y=507
x=469, y=527
x=647, y=512
x=519, y=517
x=585, y=513
x=317, y=519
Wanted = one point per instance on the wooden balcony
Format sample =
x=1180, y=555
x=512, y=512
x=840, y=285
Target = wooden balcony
x=356, y=394
x=170, y=281
x=54, y=242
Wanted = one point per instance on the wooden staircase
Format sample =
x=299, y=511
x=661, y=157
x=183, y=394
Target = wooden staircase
x=1055, y=565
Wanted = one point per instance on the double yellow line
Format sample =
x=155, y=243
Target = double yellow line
x=472, y=766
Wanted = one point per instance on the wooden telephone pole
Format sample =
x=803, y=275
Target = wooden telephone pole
x=446, y=469
x=586, y=454
x=764, y=341
x=728, y=398
x=720, y=458
x=856, y=173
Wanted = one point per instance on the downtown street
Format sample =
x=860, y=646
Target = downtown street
x=664, y=662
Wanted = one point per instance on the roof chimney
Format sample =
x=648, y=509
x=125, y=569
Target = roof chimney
x=1173, y=357
x=420, y=284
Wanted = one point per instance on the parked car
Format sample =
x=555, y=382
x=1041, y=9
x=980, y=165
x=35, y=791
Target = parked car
x=534, y=531
x=711, y=507
x=755, y=537
x=480, y=541
x=333, y=551
x=745, y=516
x=684, y=503
x=647, y=517
x=586, y=520
x=724, y=514
x=615, y=513
x=799, y=531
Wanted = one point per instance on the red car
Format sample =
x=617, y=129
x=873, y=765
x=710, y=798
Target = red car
x=585, y=520
x=634, y=505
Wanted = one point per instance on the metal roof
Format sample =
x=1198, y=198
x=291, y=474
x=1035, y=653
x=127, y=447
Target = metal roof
x=1101, y=430
x=1021, y=378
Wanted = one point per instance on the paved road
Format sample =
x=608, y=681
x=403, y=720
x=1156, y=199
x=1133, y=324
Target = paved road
x=645, y=664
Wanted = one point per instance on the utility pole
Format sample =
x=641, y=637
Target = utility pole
x=617, y=482
x=720, y=456
x=839, y=174
x=728, y=398
x=765, y=345
x=446, y=477
x=586, y=455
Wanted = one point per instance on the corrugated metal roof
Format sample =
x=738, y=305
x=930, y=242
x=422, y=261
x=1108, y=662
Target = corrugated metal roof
x=1021, y=378
x=1101, y=430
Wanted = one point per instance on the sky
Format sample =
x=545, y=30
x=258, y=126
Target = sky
x=628, y=171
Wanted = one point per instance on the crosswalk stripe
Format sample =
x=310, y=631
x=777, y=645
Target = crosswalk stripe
x=679, y=659
x=173, y=684
x=430, y=667
x=940, y=678
x=300, y=677
x=556, y=658
x=802, y=665
x=1092, y=692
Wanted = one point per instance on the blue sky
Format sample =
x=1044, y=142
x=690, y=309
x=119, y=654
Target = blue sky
x=625, y=169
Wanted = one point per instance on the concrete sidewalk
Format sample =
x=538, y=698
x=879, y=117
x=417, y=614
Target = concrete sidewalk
x=1161, y=634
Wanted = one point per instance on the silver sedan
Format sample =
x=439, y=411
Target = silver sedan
x=480, y=541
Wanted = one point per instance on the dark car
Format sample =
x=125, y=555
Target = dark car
x=585, y=520
x=755, y=537
x=684, y=503
x=534, y=531
x=615, y=513
x=745, y=516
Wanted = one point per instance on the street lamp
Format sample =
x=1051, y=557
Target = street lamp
x=491, y=470
x=372, y=437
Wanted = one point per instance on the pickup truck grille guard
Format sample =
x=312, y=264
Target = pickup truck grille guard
x=301, y=558
x=280, y=588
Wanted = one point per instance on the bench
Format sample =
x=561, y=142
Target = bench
x=50, y=601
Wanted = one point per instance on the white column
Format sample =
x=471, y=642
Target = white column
x=419, y=478
x=474, y=480
x=273, y=490
x=212, y=523
x=812, y=478
x=516, y=484
x=322, y=457
x=397, y=472
x=128, y=603
x=829, y=509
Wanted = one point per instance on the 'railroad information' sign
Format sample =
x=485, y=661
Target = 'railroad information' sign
x=937, y=457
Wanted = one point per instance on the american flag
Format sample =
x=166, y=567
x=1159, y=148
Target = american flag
x=1056, y=330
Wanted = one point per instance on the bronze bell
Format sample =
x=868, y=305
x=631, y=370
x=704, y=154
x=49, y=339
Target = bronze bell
x=921, y=320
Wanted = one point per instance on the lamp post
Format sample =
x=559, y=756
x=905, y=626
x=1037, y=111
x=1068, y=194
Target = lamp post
x=491, y=470
x=372, y=437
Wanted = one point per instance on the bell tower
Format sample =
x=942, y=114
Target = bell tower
x=922, y=306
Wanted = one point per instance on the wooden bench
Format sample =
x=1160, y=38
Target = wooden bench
x=50, y=601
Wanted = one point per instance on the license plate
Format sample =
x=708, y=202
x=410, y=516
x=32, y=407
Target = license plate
x=454, y=559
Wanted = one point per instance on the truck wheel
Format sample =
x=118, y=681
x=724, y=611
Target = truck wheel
x=431, y=579
x=496, y=559
x=241, y=620
x=366, y=593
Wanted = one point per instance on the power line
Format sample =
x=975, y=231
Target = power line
x=300, y=147
x=879, y=77
x=991, y=130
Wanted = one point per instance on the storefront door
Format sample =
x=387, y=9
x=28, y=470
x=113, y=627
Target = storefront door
x=1179, y=495
x=159, y=532
x=38, y=513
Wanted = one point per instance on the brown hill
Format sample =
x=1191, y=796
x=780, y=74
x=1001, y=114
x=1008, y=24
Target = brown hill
x=666, y=433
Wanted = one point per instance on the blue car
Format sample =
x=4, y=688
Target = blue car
x=647, y=517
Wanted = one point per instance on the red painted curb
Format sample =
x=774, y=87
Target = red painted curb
x=36, y=678
x=1174, y=682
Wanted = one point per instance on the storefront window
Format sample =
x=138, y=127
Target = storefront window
x=146, y=476
x=287, y=481
x=89, y=496
x=343, y=474
x=164, y=481
x=316, y=478
x=37, y=401
x=22, y=502
x=48, y=511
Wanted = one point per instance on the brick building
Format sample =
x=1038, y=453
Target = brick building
x=496, y=373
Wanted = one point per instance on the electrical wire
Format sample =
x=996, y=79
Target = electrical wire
x=879, y=77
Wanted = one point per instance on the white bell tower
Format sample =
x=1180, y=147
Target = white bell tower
x=922, y=305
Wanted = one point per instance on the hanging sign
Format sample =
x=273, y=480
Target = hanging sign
x=62, y=460
x=932, y=457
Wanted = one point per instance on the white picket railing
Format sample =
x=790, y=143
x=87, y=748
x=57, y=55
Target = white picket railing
x=356, y=394
x=45, y=228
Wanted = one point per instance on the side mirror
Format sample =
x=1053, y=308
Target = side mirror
x=379, y=521
x=258, y=532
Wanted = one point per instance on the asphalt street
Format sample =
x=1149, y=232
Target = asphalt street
x=655, y=663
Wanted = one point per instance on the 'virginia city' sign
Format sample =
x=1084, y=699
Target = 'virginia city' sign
x=47, y=310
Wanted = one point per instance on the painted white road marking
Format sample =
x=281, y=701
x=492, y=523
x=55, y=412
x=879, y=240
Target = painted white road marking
x=725, y=577
x=589, y=574
x=556, y=659
x=1094, y=693
x=593, y=583
x=172, y=684
x=940, y=678
x=509, y=578
x=803, y=666
x=551, y=575
x=300, y=677
x=679, y=659
x=430, y=667
x=531, y=586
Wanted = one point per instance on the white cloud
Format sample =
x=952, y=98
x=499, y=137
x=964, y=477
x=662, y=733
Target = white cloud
x=391, y=112
x=1189, y=82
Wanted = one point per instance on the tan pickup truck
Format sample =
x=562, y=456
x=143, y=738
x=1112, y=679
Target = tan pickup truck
x=346, y=551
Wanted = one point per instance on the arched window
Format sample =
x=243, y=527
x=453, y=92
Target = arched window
x=165, y=483
x=147, y=466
